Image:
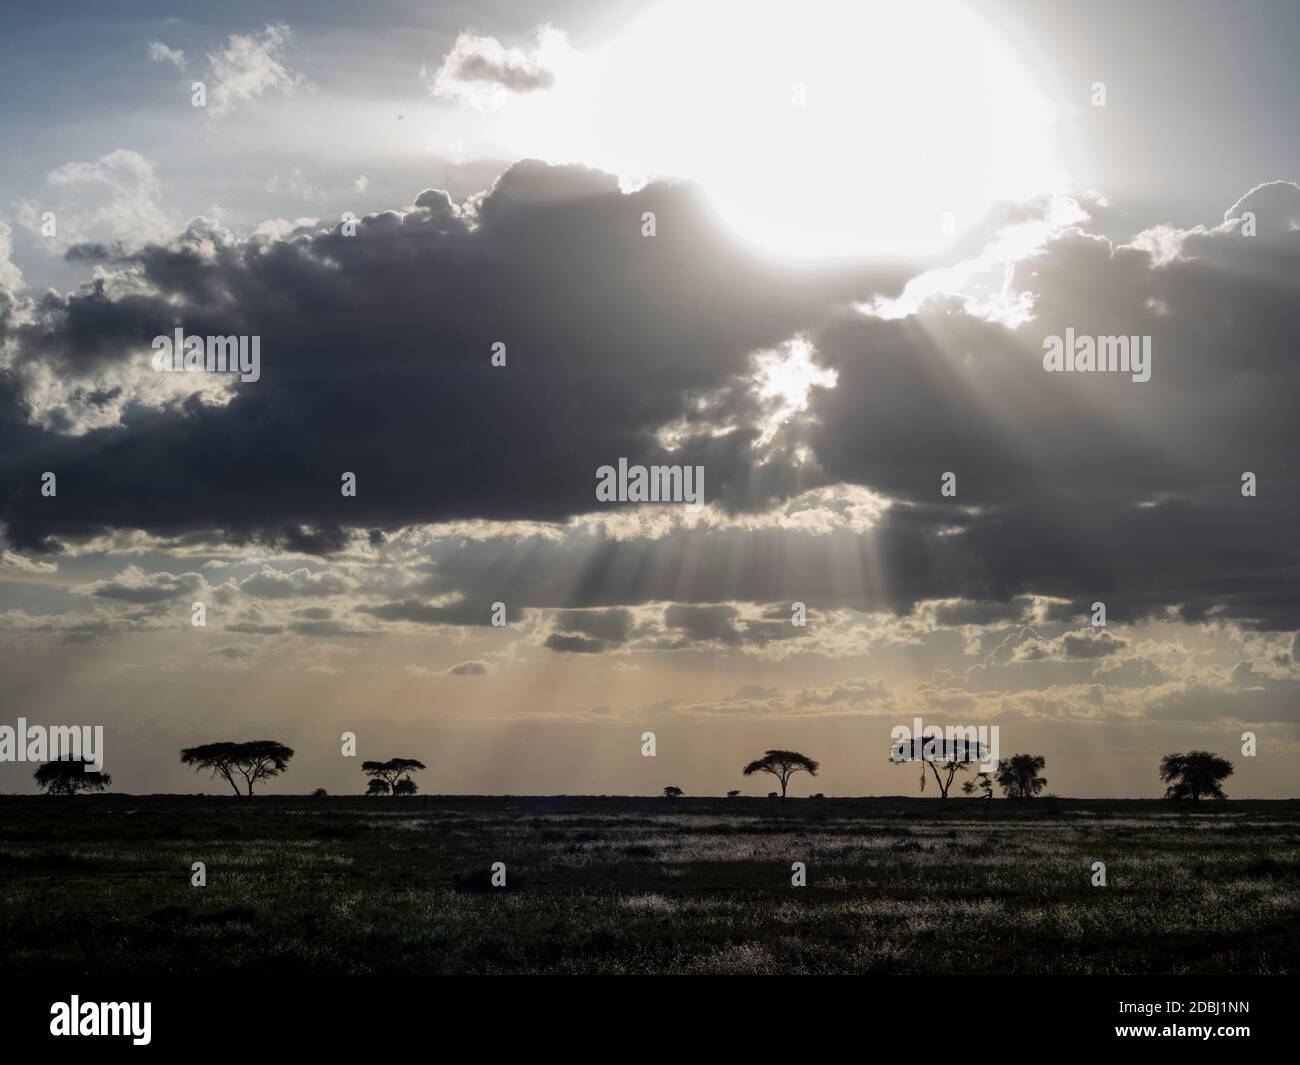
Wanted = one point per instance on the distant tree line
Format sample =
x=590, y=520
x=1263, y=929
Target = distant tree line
x=1186, y=776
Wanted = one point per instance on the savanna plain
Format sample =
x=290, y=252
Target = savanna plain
x=102, y=885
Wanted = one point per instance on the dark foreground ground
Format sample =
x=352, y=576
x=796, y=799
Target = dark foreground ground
x=101, y=885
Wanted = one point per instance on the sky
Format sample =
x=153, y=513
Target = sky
x=817, y=252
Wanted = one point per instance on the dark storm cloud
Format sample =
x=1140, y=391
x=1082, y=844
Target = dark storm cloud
x=1090, y=486
x=376, y=360
x=376, y=349
x=978, y=613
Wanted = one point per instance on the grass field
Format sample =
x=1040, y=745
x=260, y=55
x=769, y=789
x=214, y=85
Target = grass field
x=101, y=885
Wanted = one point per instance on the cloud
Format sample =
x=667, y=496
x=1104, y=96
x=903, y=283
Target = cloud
x=10, y=276
x=1070, y=488
x=1091, y=645
x=419, y=612
x=272, y=583
x=477, y=69
x=704, y=624
x=134, y=585
x=469, y=669
x=21, y=564
x=574, y=644
x=236, y=651
x=972, y=612
x=296, y=185
x=116, y=198
x=612, y=626
x=249, y=66
x=1085, y=644
x=845, y=691
x=162, y=53
x=301, y=296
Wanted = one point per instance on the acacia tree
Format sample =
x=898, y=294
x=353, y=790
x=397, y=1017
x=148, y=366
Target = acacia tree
x=672, y=792
x=67, y=777
x=253, y=761
x=392, y=771
x=1018, y=775
x=782, y=765
x=1194, y=774
x=983, y=783
x=953, y=757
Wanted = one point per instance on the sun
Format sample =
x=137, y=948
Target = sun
x=816, y=129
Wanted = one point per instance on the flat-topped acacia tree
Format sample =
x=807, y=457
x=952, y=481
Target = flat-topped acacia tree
x=253, y=761
x=391, y=773
x=783, y=765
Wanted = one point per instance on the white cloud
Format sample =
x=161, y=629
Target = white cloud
x=296, y=185
x=14, y=563
x=249, y=66
x=277, y=584
x=161, y=53
x=117, y=197
x=481, y=70
x=10, y=276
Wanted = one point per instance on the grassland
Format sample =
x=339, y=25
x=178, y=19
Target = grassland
x=100, y=885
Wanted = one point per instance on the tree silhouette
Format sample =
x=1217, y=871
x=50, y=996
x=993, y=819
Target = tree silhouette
x=392, y=771
x=956, y=757
x=733, y=794
x=254, y=761
x=783, y=765
x=405, y=786
x=378, y=787
x=319, y=793
x=672, y=792
x=1018, y=775
x=1196, y=773
x=66, y=777
x=983, y=783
